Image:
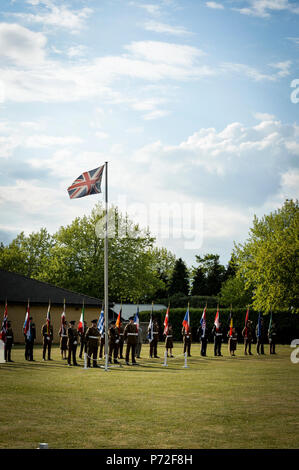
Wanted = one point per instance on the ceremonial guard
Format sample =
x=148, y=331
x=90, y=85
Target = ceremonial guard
x=187, y=340
x=121, y=340
x=139, y=342
x=92, y=341
x=102, y=343
x=72, y=343
x=130, y=335
x=83, y=347
x=8, y=342
x=113, y=342
x=248, y=337
x=218, y=337
x=232, y=341
x=272, y=338
x=29, y=341
x=203, y=338
x=154, y=342
x=169, y=340
x=47, y=334
x=63, y=339
x=260, y=337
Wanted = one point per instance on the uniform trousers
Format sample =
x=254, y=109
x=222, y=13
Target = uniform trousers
x=132, y=348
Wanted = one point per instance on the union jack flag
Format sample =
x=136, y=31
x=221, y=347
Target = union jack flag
x=87, y=183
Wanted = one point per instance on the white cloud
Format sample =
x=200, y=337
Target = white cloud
x=264, y=8
x=21, y=46
x=255, y=74
x=165, y=28
x=264, y=116
x=283, y=68
x=215, y=5
x=150, y=8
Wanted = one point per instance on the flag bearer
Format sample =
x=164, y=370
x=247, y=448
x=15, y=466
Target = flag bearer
x=187, y=340
x=260, y=336
x=272, y=338
x=130, y=335
x=92, y=341
x=168, y=340
x=248, y=337
x=47, y=334
x=63, y=339
x=83, y=347
x=232, y=341
x=72, y=343
x=29, y=341
x=121, y=340
x=102, y=343
x=154, y=342
x=218, y=338
x=113, y=342
x=8, y=342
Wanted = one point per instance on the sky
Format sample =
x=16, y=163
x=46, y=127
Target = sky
x=193, y=104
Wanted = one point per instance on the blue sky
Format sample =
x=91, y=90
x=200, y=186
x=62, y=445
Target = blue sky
x=189, y=101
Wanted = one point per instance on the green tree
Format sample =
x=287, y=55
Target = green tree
x=233, y=292
x=268, y=260
x=199, y=283
x=179, y=282
x=214, y=273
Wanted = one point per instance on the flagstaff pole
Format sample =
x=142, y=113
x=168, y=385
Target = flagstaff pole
x=106, y=266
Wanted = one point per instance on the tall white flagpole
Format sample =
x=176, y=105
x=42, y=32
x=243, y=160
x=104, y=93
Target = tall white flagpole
x=106, y=266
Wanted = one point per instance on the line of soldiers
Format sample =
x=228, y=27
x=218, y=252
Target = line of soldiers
x=91, y=339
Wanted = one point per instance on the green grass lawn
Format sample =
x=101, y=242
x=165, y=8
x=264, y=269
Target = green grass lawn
x=222, y=402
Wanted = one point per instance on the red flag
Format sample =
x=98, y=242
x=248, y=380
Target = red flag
x=81, y=321
x=216, y=321
x=118, y=321
x=4, y=324
x=246, y=320
x=166, y=322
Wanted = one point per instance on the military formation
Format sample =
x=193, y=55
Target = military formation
x=91, y=341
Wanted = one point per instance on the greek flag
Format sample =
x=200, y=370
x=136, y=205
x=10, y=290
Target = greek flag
x=100, y=325
x=150, y=334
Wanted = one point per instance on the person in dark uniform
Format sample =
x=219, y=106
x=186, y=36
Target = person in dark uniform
x=8, y=343
x=248, y=337
x=92, y=341
x=72, y=343
x=63, y=339
x=187, y=340
x=139, y=342
x=113, y=339
x=29, y=341
x=83, y=347
x=218, y=338
x=260, y=338
x=169, y=340
x=232, y=342
x=102, y=344
x=154, y=342
x=203, y=338
x=47, y=340
x=121, y=340
x=130, y=335
x=272, y=338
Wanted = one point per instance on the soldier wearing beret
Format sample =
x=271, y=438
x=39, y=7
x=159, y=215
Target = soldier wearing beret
x=113, y=340
x=130, y=335
x=8, y=342
x=248, y=337
x=92, y=341
x=29, y=341
x=72, y=343
x=47, y=334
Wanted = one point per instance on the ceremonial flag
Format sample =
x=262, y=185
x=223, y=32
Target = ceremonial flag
x=101, y=322
x=4, y=324
x=81, y=321
x=231, y=325
x=62, y=327
x=270, y=323
x=136, y=319
x=118, y=321
x=216, y=321
x=186, y=321
x=150, y=335
x=87, y=183
x=26, y=325
x=246, y=320
x=259, y=325
x=203, y=321
x=48, y=319
x=166, y=322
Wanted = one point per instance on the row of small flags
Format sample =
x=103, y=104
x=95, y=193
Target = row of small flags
x=101, y=321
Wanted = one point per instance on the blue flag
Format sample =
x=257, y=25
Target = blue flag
x=100, y=325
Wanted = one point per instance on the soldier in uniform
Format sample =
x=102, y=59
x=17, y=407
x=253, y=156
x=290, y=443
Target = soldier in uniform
x=47, y=340
x=154, y=342
x=8, y=342
x=82, y=340
x=187, y=340
x=260, y=338
x=169, y=341
x=272, y=338
x=113, y=340
x=139, y=342
x=203, y=338
x=92, y=341
x=218, y=336
x=102, y=343
x=248, y=337
x=72, y=343
x=29, y=341
x=121, y=341
x=130, y=335
x=232, y=342
x=63, y=339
